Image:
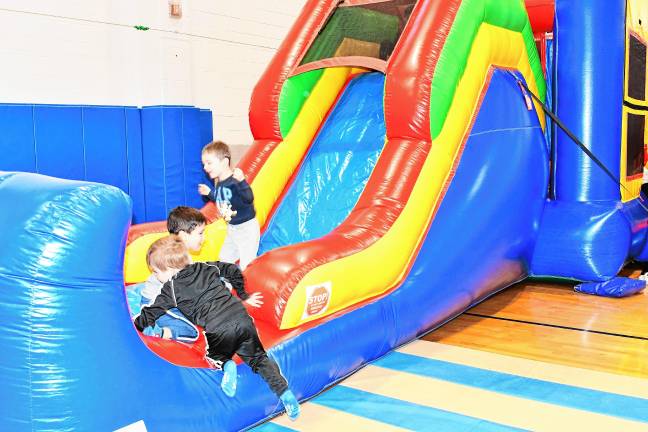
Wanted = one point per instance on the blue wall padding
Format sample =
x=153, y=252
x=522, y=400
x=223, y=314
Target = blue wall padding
x=173, y=153
x=17, y=148
x=135, y=163
x=206, y=136
x=162, y=159
x=107, y=157
x=171, y=142
x=582, y=241
x=105, y=144
x=206, y=128
x=336, y=169
x=58, y=132
x=153, y=163
x=194, y=136
x=590, y=50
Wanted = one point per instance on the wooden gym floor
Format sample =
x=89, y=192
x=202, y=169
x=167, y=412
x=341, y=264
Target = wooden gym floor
x=553, y=323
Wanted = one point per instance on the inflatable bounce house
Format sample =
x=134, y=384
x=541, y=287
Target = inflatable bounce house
x=403, y=172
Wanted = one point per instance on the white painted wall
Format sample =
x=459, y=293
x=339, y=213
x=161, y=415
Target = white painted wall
x=87, y=52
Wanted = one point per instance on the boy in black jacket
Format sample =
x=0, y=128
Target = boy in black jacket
x=198, y=291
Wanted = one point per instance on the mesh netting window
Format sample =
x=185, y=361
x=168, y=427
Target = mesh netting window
x=369, y=30
x=637, y=69
x=635, y=147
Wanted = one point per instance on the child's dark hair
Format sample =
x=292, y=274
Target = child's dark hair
x=168, y=252
x=183, y=218
x=218, y=149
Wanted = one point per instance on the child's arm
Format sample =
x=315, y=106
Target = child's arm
x=243, y=187
x=151, y=290
x=150, y=314
x=206, y=191
x=232, y=274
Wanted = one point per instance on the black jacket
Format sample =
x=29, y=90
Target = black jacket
x=200, y=294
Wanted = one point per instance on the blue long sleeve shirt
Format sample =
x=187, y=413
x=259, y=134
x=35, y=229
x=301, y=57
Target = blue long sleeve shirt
x=239, y=195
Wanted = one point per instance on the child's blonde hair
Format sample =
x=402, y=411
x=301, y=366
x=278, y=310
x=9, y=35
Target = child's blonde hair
x=168, y=252
x=218, y=149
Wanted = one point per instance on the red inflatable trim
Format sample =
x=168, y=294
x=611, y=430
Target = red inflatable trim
x=264, y=105
x=541, y=15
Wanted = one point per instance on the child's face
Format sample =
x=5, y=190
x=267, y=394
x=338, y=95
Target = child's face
x=164, y=275
x=194, y=239
x=213, y=165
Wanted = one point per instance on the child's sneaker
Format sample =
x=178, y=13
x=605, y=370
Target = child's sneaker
x=228, y=384
x=153, y=331
x=290, y=403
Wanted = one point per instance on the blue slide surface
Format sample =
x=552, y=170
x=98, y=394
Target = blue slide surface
x=336, y=169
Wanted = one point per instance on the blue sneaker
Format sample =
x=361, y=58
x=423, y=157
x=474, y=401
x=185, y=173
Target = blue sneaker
x=153, y=331
x=228, y=384
x=291, y=405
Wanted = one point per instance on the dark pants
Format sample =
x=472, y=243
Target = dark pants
x=240, y=336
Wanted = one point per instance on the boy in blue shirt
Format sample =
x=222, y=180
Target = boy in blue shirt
x=189, y=225
x=235, y=202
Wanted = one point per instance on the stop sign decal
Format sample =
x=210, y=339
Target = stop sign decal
x=317, y=299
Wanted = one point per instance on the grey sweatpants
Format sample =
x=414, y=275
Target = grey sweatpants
x=241, y=243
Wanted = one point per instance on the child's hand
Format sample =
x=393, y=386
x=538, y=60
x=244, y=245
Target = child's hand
x=238, y=174
x=225, y=210
x=203, y=189
x=255, y=299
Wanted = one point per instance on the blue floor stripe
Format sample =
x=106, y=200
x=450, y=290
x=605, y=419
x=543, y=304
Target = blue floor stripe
x=272, y=427
x=601, y=402
x=401, y=413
